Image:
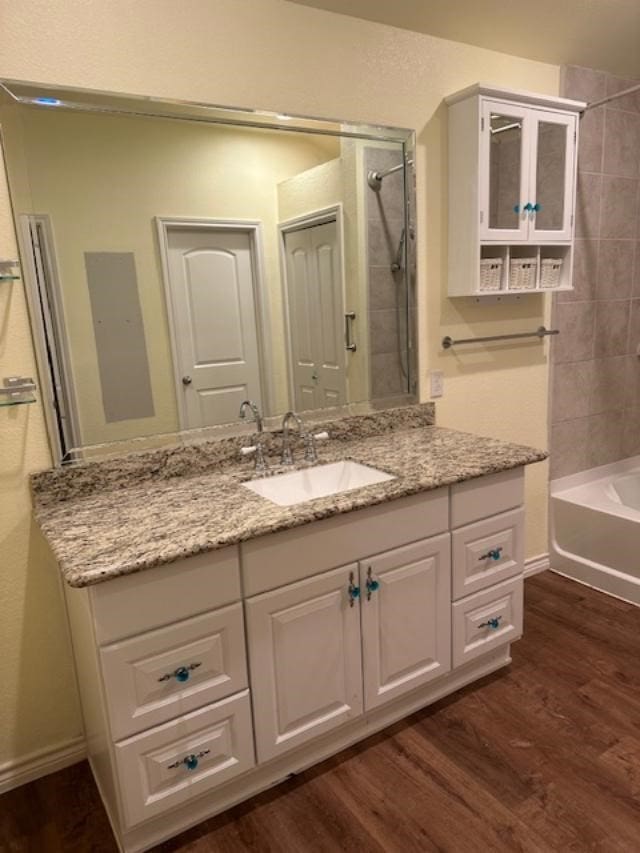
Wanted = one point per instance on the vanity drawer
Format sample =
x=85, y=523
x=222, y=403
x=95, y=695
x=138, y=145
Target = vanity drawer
x=486, y=620
x=156, y=676
x=487, y=552
x=485, y=496
x=131, y=604
x=151, y=767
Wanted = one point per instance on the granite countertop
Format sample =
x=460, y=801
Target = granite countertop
x=128, y=525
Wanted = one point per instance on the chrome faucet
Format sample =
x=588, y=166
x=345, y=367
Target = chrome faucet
x=261, y=466
x=310, y=453
x=287, y=455
x=255, y=411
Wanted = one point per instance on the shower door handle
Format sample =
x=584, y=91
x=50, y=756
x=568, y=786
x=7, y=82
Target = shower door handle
x=349, y=317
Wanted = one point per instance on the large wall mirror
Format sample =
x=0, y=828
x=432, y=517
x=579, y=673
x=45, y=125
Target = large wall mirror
x=182, y=258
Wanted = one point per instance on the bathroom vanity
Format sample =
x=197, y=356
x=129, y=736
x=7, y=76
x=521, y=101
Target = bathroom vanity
x=260, y=639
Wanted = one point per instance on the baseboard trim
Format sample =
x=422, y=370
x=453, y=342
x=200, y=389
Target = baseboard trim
x=535, y=565
x=41, y=763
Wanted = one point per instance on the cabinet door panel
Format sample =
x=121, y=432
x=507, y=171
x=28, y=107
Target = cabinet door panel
x=553, y=140
x=504, y=172
x=405, y=623
x=305, y=657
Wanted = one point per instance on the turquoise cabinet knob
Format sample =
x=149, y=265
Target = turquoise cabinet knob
x=516, y=208
x=536, y=207
x=493, y=623
x=528, y=207
x=182, y=673
x=191, y=762
x=353, y=590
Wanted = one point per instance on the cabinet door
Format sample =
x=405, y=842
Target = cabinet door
x=305, y=658
x=552, y=175
x=504, y=172
x=406, y=627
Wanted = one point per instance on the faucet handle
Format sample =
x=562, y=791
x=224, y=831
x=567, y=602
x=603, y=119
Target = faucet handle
x=310, y=439
x=261, y=466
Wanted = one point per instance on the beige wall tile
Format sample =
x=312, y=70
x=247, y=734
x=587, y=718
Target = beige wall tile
x=618, y=208
x=612, y=328
x=591, y=145
x=621, y=144
x=569, y=447
x=582, y=84
x=585, y=272
x=615, y=269
x=576, y=322
x=571, y=397
x=588, y=205
x=609, y=376
x=605, y=438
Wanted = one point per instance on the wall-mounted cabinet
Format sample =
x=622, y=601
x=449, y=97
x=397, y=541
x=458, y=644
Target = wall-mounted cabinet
x=512, y=177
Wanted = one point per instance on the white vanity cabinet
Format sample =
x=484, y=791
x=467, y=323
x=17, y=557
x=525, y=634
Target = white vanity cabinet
x=210, y=679
x=512, y=187
x=324, y=650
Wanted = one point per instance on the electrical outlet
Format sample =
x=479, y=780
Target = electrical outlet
x=437, y=383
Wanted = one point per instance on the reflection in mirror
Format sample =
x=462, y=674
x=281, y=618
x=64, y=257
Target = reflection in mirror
x=505, y=169
x=550, y=174
x=181, y=266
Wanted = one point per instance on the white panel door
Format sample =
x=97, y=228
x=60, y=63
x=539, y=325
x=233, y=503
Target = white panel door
x=211, y=280
x=316, y=316
x=406, y=625
x=305, y=658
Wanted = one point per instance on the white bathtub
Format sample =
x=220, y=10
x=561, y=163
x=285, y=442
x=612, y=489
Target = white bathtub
x=595, y=528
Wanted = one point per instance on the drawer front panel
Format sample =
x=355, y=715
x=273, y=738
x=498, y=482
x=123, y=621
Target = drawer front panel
x=487, y=552
x=159, y=675
x=486, y=496
x=486, y=620
x=169, y=765
x=292, y=555
x=170, y=593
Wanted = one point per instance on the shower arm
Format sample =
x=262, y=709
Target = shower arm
x=374, y=178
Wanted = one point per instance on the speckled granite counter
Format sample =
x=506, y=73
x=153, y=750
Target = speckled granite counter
x=152, y=517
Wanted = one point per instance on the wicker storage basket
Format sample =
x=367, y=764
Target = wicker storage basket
x=490, y=273
x=550, y=272
x=522, y=273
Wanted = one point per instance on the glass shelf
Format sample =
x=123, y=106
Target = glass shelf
x=16, y=401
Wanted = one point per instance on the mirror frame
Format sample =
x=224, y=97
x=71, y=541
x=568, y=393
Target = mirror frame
x=47, y=96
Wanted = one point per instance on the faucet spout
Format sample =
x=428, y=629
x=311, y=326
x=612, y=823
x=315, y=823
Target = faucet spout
x=255, y=411
x=287, y=455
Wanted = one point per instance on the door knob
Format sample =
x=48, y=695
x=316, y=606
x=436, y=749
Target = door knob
x=187, y=380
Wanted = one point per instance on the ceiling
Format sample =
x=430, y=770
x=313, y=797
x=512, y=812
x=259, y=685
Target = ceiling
x=602, y=34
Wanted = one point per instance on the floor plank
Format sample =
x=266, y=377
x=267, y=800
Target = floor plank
x=544, y=756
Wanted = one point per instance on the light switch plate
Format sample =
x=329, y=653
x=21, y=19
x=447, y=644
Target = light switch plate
x=437, y=383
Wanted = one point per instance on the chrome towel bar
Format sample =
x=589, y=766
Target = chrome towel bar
x=540, y=332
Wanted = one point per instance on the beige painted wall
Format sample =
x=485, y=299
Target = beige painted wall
x=284, y=57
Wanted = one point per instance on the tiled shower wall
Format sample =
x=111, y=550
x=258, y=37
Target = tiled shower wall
x=387, y=294
x=595, y=396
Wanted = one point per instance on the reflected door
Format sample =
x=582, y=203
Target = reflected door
x=316, y=316
x=211, y=284
x=552, y=169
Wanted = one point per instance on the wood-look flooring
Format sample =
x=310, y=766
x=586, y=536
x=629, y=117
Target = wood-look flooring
x=543, y=756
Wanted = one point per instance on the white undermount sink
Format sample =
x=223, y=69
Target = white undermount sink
x=318, y=482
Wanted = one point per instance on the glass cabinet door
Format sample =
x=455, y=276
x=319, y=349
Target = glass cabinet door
x=504, y=172
x=552, y=175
